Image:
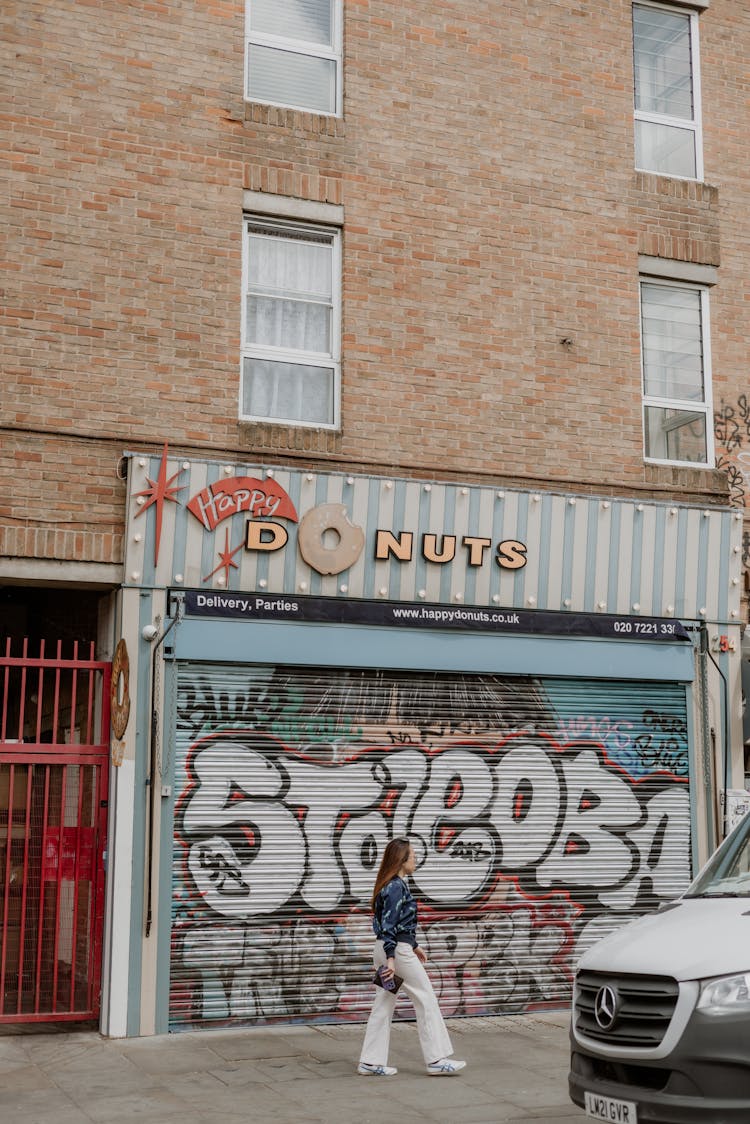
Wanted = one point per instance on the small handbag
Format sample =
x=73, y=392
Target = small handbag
x=392, y=985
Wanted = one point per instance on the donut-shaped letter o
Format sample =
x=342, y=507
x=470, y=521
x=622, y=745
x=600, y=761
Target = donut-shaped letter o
x=310, y=537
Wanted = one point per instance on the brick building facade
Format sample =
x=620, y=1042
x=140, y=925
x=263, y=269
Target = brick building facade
x=474, y=188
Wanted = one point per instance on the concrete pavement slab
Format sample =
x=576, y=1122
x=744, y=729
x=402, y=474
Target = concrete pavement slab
x=23, y=1077
x=154, y=1104
x=498, y=1113
x=166, y=1057
x=517, y=1071
x=12, y=1054
x=195, y=1087
x=238, y=1073
x=249, y=1045
x=105, y=1082
x=42, y=1106
x=371, y=1105
x=257, y=1102
x=78, y=1053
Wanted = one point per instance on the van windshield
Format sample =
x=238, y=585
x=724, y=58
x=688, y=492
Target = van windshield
x=727, y=873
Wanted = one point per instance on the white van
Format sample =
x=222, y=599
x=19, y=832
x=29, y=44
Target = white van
x=661, y=1008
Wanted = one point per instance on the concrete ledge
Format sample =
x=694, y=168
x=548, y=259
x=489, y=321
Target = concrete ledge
x=47, y=571
x=284, y=206
x=675, y=270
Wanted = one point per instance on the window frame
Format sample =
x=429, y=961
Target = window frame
x=251, y=350
x=334, y=53
x=704, y=407
x=695, y=125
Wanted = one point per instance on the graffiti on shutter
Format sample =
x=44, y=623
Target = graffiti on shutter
x=544, y=813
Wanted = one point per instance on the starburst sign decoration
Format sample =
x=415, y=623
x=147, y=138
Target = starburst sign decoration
x=159, y=492
x=226, y=559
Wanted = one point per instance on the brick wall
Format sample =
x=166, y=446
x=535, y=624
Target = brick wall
x=61, y=499
x=726, y=119
x=485, y=166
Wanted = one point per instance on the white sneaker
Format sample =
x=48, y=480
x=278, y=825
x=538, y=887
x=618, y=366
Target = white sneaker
x=377, y=1070
x=445, y=1067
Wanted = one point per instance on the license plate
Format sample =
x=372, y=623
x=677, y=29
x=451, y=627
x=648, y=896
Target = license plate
x=607, y=1108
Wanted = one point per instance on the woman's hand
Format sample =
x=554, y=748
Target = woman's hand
x=389, y=970
x=421, y=954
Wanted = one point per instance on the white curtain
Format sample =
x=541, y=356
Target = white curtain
x=288, y=391
x=289, y=294
x=289, y=306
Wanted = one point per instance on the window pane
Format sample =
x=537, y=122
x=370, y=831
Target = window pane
x=663, y=80
x=287, y=78
x=288, y=391
x=311, y=20
x=290, y=267
x=672, y=343
x=675, y=435
x=665, y=149
x=292, y=324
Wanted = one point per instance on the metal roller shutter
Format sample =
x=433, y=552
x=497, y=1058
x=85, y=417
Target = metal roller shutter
x=543, y=813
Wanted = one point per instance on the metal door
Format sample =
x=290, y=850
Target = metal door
x=54, y=752
x=544, y=813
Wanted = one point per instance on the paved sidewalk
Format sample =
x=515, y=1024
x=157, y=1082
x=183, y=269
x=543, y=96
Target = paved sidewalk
x=517, y=1071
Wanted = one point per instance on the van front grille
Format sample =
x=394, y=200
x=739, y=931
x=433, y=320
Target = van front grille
x=632, y=1010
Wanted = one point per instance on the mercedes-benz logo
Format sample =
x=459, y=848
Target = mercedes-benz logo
x=605, y=1007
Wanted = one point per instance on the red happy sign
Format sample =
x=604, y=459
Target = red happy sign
x=241, y=493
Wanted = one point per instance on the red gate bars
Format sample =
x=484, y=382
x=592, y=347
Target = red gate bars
x=54, y=755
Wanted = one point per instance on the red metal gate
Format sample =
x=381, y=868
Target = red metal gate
x=54, y=757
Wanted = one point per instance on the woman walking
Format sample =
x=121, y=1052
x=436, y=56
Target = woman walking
x=397, y=953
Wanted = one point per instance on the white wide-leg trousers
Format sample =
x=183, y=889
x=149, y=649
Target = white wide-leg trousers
x=433, y=1034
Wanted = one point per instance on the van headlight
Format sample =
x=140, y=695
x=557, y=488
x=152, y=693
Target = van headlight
x=726, y=995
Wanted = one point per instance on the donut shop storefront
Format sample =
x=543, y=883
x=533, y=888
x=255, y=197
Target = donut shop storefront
x=321, y=661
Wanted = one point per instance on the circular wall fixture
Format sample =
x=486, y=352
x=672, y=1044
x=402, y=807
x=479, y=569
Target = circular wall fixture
x=119, y=690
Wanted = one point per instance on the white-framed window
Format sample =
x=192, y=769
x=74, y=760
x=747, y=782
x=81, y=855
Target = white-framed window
x=291, y=323
x=668, y=137
x=676, y=368
x=293, y=53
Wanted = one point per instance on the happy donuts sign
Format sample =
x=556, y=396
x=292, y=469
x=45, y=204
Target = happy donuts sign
x=265, y=502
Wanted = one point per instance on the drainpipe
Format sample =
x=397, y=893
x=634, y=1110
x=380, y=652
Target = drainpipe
x=707, y=755
x=151, y=779
x=725, y=732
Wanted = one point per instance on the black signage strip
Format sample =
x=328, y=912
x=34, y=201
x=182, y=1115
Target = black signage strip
x=470, y=618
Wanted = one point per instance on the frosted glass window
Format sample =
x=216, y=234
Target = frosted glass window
x=309, y=20
x=665, y=69
x=293, y=53
x=288, y=392
x=675, y=366
x=285, y=78
x=291, y=322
